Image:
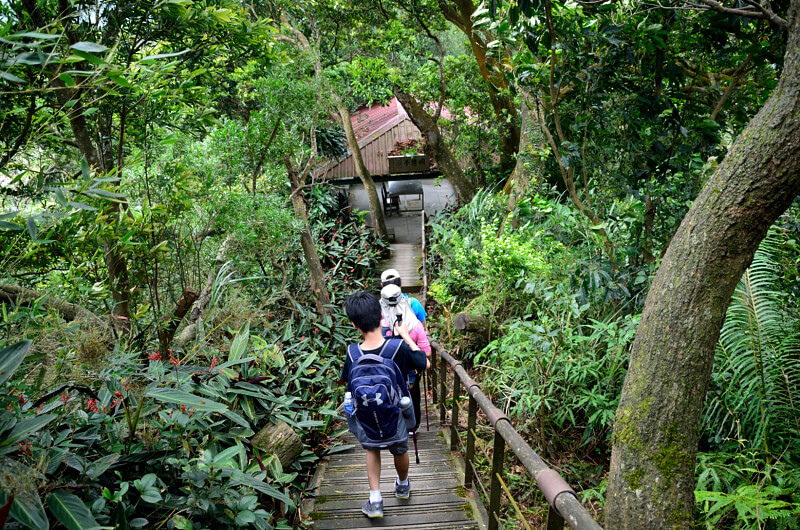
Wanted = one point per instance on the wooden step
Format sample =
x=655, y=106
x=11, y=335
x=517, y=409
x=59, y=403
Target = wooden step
x=406, y=258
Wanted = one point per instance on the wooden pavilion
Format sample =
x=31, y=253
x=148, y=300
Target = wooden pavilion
x=378, y=129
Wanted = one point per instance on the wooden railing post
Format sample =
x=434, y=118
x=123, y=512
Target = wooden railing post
x=472, y=416
x=559, y=495
x=442, y=390
x=434, y=371
x=497, y=469
x=454, y=414
x=554, y=520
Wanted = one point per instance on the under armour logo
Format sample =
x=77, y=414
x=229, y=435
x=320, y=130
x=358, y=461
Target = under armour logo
x=378, y=401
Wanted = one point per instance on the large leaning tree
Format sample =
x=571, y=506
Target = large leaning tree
x=657, y=425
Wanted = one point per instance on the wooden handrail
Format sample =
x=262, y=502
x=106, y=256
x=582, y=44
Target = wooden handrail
x=564, y=504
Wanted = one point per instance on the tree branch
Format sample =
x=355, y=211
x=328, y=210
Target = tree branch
x=758, y=11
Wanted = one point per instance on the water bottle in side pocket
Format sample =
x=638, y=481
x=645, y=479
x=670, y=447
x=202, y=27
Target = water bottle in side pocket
x=348, y=403
x=408, y=412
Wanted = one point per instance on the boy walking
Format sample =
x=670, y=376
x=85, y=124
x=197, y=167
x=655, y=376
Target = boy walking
x=364, y=311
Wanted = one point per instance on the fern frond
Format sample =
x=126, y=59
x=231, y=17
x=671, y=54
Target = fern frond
x=755, y=388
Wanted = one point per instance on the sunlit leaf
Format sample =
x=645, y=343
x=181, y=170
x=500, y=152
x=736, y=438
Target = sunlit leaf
x=89, y=47
x=180, y=397
x=11, y=77
x=153, y=58
x=5, y=225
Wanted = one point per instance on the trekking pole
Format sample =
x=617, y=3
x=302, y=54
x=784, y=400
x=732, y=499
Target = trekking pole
x=425, y=389
x=416, y=449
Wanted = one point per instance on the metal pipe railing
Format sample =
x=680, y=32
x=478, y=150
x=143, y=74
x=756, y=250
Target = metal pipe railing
x=564, y=504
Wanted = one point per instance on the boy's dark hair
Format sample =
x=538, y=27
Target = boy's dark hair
x=364, y=310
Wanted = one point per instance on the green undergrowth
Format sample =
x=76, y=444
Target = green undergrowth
x=121, y=435
x=563, y=318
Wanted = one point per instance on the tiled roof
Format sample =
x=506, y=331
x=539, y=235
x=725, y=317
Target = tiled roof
x=368, y=119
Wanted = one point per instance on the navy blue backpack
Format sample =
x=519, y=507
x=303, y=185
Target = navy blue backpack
x=377, y=386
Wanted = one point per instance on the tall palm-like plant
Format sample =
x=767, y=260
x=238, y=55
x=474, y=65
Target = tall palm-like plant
x=755, y=390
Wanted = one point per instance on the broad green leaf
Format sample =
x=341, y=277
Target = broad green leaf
x=11, y=357
x=85, y=169
x=28, y=426
x=89, y=47
x=226, y=458
x=234, y=363
x=169, y=139
x=101, y=465
x=27, y=510
x=105, y=193
x=236, y=418
x=11, y=77
x=89, y=57
x=5, y=225
x=153, y=58
x=30, y=222
x=237, y=478
x=180, y=397
x=30, y=512
x=35, y=35
x=119, y=79
x=8, y=215
x=61, y=199
x=239, y=345
x=70, y=511
x=82, y=206
x=309, y=423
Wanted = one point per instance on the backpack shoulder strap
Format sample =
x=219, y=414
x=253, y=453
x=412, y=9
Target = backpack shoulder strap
x=390, y=348
x=371, y=357
x=354, y=352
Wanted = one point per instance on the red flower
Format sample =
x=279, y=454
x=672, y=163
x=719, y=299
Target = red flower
x=25, y=447
x=183, y=408
x=154, y=356
x=173, y=360
x=65, y=397
x=214, y=362
x=91, y=406
x=118, y=394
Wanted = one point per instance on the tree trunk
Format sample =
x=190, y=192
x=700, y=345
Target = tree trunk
x=14, y=294
x=520, y=179
x=375, y=208
x=280, y=440
x=116, y=265
x=436, y=146
x=190, y=331
x=658, y=420
x=466, y=322
x=315, y=270
x=184, y=303
x=459, y=13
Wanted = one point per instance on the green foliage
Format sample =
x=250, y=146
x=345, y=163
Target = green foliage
x=746, y=491
x=560, y=355
x=754, y=386
x=170, y=436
